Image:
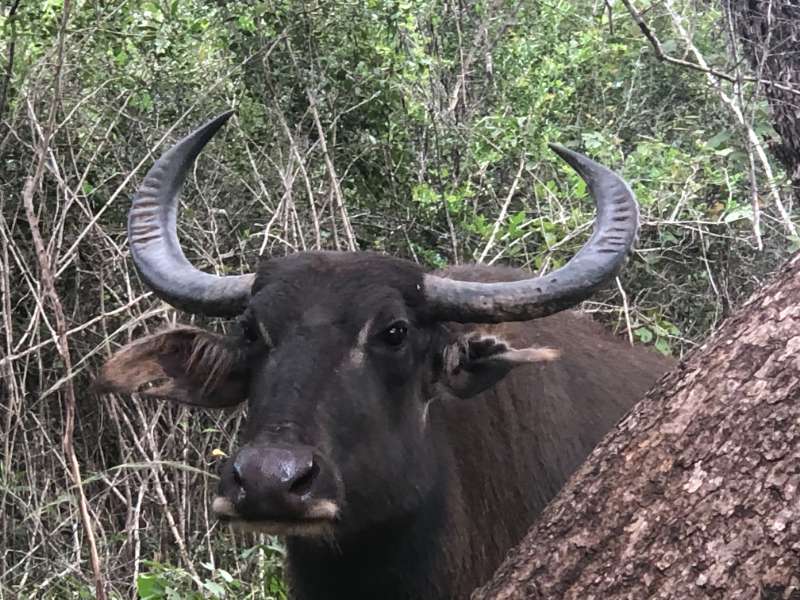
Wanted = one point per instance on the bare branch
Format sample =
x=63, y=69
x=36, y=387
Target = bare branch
x=702, y=67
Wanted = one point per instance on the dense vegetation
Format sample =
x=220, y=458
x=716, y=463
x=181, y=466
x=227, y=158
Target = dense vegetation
x=412, y=127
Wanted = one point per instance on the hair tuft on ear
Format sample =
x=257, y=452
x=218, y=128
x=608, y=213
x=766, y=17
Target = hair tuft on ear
x=210, y=361
x=474, y=362
x=184, y=364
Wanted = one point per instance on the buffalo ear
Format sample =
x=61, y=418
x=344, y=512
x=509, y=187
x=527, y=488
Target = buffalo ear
x=475, y=362
x=185, y=364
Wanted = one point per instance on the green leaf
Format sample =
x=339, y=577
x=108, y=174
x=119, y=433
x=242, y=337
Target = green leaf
x=662, y=345
x=216, y=589
x=739, y=213
x=667, y=236
x=644, y=334
x=176, y=594
x=227, y=577
x=719, y=139
x=517, y=218
x=669, y=46
x=149, y=586
x=580, y=188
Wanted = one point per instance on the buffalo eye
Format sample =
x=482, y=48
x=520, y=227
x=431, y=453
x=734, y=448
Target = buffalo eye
x=395, y=334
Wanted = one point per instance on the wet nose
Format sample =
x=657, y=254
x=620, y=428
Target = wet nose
x=274, y=482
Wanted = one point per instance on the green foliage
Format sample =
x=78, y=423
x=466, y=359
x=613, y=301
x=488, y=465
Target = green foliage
x=168, y=582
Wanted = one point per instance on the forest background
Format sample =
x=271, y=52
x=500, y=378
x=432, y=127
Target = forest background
x=412, y=127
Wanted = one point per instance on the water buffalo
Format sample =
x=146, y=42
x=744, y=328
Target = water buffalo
x=404, y=428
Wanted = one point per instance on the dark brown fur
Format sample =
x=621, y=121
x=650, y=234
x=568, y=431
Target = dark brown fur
x=505, y=454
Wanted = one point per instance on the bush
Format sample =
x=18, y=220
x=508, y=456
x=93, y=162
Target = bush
x=435, y=118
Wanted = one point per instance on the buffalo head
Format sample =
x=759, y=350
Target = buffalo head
x=339, y=355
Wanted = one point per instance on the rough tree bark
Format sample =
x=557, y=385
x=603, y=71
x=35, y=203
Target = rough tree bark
x=770, y=34
x=696, y=493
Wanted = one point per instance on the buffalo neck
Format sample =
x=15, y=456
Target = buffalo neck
x=392, y=561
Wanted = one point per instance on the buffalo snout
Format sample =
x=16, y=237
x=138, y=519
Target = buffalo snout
x=289, y=484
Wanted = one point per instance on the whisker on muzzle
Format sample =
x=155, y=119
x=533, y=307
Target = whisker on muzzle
x=318, y=521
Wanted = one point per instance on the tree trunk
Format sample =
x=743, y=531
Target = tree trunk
x=696, y=493
x=770, y=34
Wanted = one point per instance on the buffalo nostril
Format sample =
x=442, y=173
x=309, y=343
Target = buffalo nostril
x=302, y=485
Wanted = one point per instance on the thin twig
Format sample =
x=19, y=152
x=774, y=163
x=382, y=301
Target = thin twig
x=503, y=211
x=625, y=310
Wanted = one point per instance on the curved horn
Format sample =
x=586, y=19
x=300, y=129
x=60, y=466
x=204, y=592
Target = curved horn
x=615, y=231
x=153, y=237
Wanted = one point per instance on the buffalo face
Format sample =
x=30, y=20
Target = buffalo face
x=338, y=361
x=336, y=396
x=340, y=355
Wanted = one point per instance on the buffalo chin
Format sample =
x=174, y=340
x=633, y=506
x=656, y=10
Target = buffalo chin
x=311, y=528
x=318, y=521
